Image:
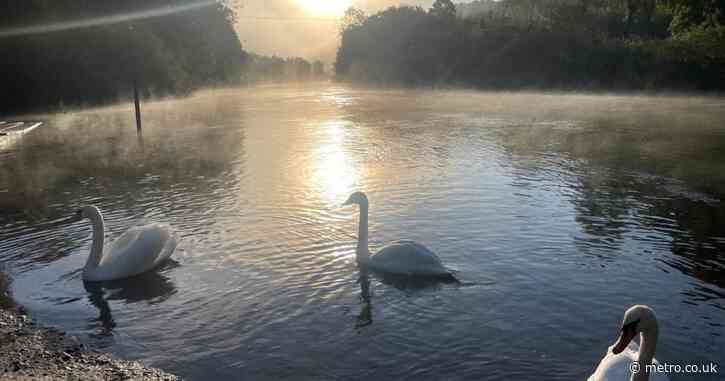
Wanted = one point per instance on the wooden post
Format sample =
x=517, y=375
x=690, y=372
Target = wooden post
x=137, y=105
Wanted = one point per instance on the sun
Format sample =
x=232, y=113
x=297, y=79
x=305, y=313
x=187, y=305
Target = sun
x=325, y=7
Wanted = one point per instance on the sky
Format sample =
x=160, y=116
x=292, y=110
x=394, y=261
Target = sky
x=301, y=28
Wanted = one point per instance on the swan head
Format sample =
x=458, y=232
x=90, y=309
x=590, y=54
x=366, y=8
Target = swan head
x=358, y=198
x=637, y=319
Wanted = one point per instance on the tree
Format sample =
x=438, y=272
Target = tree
x=608, y=44
x=691, y=13
x=353, y=17
x=444, y=9
x=169, y=54
x=318, y=68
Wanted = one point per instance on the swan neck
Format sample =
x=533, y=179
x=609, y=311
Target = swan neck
x=362, y=234
x=648, y=345
x=97, y=246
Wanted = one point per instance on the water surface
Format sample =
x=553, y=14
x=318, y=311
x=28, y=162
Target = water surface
x=557, y=211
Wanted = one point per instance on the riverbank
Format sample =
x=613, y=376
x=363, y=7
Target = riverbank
x=29, y=351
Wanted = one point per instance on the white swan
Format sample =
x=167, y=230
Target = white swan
x=138, y=250
x=401, y=257
x=617, y=365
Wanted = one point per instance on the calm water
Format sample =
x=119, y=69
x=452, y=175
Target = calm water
x=557, y=211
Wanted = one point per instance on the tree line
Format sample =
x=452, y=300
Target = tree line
x=145, y=41
x=274, y=68
x=583, y=44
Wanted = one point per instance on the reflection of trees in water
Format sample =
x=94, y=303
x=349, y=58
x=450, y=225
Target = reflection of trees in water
x=151, y=287
x=697, y=239
x=624, y=182
x=602, y=206
x=693, y=226
x=365, y=317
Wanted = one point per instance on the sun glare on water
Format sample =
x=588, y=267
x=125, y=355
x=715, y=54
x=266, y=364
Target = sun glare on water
x=325, y=7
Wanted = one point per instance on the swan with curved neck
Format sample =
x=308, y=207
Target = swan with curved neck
x=617, y=364
x=401, y=257
x=138, y=250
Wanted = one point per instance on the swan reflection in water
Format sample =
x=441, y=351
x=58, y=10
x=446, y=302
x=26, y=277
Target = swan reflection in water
x=151, y=287
x=403, y=283
x=365, y=317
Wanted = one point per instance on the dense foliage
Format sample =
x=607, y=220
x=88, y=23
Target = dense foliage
x=611, y=44
x=165, y=52
x=265, y=68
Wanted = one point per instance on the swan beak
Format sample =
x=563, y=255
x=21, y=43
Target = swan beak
x=77, y=217
x=628, y=333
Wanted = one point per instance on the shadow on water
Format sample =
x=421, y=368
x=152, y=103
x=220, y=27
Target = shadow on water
x=410, y=284
x=152, y=287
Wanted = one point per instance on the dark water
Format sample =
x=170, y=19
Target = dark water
x=557, y=211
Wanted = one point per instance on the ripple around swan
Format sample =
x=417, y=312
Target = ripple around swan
x=553, y=217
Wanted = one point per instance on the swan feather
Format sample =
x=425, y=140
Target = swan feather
x=408, y=257
x=136, y=251
x=617, y=367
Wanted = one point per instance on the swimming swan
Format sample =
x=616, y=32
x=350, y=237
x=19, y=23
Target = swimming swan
x=138, y=250
x=618, y=363
x=401, y=257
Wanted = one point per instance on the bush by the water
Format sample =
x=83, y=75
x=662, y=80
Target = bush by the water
x=169, y=53
x=590, y=44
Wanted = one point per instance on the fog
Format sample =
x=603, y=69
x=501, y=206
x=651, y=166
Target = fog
x=620, y=196
x=284, y=28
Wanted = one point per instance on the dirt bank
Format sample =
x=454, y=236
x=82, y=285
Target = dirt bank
x=31, y=352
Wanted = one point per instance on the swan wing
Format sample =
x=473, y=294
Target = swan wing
x=408, y=257
x=614, y=367
x=137, y=250
x=617, y=367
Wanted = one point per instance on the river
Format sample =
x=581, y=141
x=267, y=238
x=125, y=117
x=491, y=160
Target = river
x=557, y=212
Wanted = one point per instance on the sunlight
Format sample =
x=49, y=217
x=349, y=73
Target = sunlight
x=334, y=172
x=325, y=7
x=105, y=20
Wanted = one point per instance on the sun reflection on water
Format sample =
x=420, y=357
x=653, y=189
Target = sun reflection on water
x=333, y=173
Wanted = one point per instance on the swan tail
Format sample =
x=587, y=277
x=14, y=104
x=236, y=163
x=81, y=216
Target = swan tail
x=450, y=278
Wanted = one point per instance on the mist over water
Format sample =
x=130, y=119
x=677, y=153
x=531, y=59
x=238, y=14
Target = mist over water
x=558, y=211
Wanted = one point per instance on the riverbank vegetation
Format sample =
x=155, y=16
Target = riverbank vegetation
x=565, y=44
x=265, y=68
x=167, y=47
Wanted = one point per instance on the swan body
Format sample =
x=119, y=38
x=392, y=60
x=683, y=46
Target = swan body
x=407, y=257
x=617, y=363
x=401, y=257
x=137, y=251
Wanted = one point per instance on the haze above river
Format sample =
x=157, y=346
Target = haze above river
x=558, y=211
